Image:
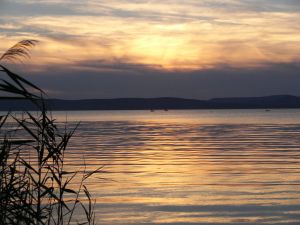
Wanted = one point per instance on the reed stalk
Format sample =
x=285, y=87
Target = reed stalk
x=35, y=187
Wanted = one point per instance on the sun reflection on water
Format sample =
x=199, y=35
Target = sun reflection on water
x=180, y=173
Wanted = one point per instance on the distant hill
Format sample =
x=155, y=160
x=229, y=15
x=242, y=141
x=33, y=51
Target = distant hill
x=276, y=101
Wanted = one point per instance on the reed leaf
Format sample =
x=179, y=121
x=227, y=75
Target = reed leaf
x=33, y=184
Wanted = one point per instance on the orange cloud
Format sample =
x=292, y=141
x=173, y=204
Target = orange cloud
x=169, y=34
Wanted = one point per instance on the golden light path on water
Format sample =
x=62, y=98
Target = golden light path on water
x=191, y=167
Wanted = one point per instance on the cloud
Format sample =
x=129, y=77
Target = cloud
x=115, y=80
x=168, y=41
x=14, y=8
x=272, y=5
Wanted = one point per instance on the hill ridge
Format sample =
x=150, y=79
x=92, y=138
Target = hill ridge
x=273, y=101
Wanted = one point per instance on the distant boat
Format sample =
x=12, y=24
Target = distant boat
x=268, y=110
x=166, y=109
x=152, y=110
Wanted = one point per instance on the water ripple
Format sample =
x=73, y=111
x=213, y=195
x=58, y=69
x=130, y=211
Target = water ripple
x=189, y=173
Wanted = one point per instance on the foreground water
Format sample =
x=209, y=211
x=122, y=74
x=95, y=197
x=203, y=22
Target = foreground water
x=191, y=167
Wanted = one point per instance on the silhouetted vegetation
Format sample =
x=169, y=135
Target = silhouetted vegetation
x=35, y=187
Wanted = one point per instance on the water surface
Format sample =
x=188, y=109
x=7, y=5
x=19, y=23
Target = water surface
x=191, y=167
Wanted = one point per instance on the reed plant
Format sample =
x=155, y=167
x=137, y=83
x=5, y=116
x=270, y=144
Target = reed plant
x=35, y=187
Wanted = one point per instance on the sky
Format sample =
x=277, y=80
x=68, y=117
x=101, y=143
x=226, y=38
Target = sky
x=157, y=48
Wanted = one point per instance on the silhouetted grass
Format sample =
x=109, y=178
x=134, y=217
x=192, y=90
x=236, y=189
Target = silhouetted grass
x=35, y=188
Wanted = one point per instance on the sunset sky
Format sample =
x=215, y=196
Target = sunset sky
x=176, y=48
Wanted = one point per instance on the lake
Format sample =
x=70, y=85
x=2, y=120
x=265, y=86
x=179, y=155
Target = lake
x=190, y=166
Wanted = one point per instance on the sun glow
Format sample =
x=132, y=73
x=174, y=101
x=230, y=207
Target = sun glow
x=169, y=36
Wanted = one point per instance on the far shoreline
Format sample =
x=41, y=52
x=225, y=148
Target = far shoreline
x=152, y=104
